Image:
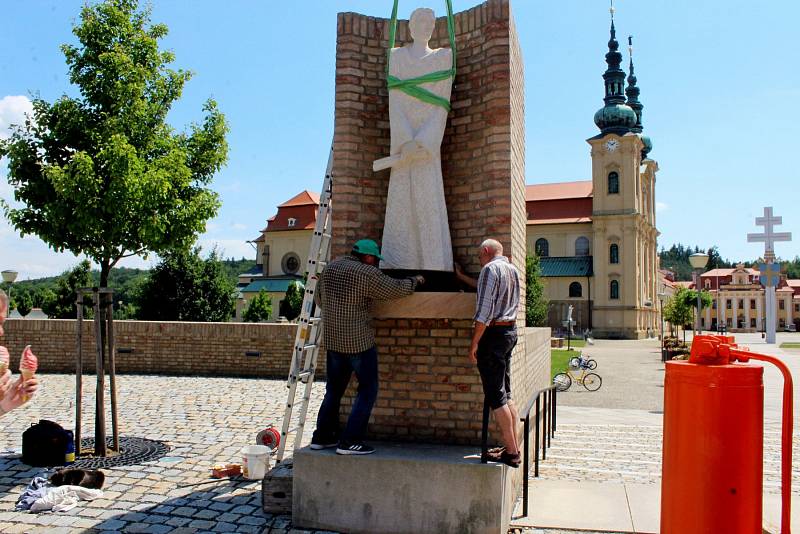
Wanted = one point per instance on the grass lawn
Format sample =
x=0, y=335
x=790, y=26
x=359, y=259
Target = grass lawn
x=790, y=345
x=559, y=360
x=575, y=342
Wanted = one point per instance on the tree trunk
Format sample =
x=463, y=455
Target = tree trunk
x=105, y=269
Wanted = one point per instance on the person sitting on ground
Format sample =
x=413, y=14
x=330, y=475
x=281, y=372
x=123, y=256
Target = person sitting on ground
x=13, y=394
x=346, y=290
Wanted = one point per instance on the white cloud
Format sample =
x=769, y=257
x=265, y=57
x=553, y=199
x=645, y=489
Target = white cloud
x=228, y=248
x=239, y=226
x=12, y=111
x=661, y=206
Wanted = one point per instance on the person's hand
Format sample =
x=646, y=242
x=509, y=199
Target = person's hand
x=5, y=383
x=473, y=354
x=19, y=393
x=420, y=279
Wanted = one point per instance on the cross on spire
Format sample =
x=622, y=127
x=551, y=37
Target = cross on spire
x=770, y=236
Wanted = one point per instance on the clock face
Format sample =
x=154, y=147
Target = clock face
x=612, y=145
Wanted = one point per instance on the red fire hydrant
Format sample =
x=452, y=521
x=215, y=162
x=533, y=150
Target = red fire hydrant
x=712, y=469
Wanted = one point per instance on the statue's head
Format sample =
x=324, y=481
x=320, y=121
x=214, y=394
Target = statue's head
x=421, y=24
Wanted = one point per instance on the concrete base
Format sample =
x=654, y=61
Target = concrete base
x=402, y=488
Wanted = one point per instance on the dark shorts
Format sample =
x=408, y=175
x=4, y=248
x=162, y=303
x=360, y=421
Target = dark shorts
x=494, y=363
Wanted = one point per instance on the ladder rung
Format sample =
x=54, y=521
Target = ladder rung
x=303, y=374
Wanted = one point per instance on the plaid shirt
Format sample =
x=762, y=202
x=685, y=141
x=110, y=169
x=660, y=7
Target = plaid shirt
x=346, y=291
x=498, y=292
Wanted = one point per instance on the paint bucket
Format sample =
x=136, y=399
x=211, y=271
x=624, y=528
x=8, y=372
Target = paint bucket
x=255, y=461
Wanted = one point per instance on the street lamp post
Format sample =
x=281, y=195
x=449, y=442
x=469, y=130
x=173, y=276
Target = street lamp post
x=698, y=261
x=9, y=277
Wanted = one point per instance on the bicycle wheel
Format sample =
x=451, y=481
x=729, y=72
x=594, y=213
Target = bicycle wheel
x=592, y=381
x=562, y=381
x=591, y=364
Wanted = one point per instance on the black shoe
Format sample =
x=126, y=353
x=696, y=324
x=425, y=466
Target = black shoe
x=319, y=444
x=511, y=460
x=354, y=449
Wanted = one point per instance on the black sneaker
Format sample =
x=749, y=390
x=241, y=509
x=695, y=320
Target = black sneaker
x=354, y=449
x=319, y=444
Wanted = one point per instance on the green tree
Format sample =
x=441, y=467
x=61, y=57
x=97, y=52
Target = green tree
x=61, y=305
x=535, y=301
x=259, y=309
x=24, y=303
x=186, y=287
x=104, y=174
x=293, y=301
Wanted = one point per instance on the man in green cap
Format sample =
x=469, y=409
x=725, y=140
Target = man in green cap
x=346, y=290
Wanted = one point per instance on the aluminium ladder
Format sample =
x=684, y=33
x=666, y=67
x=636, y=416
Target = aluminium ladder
x=309, y=328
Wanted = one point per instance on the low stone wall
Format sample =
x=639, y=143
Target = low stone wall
x=172, y=348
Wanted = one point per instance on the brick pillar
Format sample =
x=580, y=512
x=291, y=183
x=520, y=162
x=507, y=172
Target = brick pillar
x=430, y=391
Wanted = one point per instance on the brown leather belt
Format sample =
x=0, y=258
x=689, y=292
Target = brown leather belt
x=502, y=323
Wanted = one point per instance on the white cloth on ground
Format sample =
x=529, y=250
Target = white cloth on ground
x=63, y=498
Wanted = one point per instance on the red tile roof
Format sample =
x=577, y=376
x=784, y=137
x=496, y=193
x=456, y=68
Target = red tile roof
x=561, y=203
x=558, y=191
x=304, y=198
x=301, y=207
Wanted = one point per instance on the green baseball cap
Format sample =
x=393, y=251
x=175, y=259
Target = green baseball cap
x=367, y=247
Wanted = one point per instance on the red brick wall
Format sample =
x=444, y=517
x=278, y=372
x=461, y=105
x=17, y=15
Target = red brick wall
x=213, y=349
x=430, y=391
x=483, y=147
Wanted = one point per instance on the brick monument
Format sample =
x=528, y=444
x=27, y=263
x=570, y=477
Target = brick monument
x=430, y=393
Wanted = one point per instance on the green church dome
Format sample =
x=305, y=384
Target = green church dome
x=615, y=116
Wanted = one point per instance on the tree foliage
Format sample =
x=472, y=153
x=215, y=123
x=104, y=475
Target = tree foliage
x=61, y=304
x=676, y=259
x=293, y=301
x=186, y=287
x=535, y=301
x=23, y=303
x=259, y=309
x=104, y=174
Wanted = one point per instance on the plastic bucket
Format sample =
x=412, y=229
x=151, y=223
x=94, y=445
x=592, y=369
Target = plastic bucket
x=255, y=461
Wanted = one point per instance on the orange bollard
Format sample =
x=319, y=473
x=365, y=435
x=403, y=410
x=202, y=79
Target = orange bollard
x=712, y=480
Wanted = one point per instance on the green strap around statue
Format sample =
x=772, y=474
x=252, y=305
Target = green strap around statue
x=412, y=86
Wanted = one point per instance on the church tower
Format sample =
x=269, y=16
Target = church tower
x=625, y=292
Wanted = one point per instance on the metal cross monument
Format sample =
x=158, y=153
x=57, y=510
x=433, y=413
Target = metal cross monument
x=768, y=269
x=770, y=236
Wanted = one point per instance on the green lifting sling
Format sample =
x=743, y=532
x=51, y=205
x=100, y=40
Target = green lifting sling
x=412, y=86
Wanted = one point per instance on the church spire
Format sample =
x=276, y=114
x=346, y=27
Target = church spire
x=615, y=117
x=633, y=92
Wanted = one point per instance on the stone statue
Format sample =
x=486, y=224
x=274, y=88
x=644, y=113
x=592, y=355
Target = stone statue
x=416, y=233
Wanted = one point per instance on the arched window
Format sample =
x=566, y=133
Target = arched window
x=575, y=289
x=613, y=253
x=581, y=246
x=613, y=290
x=613, y=183
x=542, y=247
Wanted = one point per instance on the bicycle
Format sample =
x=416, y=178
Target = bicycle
x=582, y=362
x=591, y=381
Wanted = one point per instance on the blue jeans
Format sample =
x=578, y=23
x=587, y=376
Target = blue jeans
x=341, y=366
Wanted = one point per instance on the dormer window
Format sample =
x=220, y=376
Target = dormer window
x=292, y=222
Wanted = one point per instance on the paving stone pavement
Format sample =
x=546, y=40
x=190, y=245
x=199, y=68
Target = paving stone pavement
x=203, y=420
x=632, y=453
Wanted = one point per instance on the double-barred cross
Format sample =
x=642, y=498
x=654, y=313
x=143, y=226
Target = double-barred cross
x=770, y=236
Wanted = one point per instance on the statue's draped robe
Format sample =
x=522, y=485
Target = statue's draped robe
x=416, y=234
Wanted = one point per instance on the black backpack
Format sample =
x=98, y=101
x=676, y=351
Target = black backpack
x=44, y=444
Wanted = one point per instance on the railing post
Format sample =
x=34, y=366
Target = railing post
x=526, y=464
x=545, y=425
x=536, y=439
x=550, y=416
x=485, y=431
x=555, y=403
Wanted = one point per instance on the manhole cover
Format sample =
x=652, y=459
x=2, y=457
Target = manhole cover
x=132, y=451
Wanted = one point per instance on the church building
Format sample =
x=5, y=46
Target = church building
x=597, y=239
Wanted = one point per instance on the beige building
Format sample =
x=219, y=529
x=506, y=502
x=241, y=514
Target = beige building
x=597, y=239
x=281, y=252
x=739, y=301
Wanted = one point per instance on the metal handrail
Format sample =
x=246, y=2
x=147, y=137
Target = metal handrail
x=549, y=420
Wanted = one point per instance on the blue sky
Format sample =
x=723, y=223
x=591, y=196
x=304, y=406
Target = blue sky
x=719, y=83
